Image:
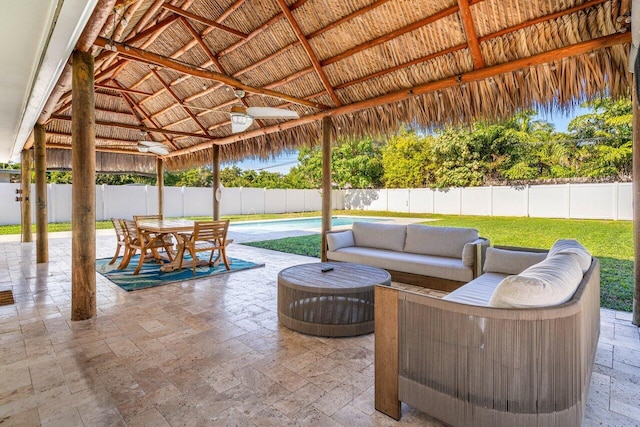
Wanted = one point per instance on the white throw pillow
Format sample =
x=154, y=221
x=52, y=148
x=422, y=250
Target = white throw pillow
x=380, y=236
x=574, y=248
x=505, y=261
x=550, y=282
x=439, y=241
x=339, y=240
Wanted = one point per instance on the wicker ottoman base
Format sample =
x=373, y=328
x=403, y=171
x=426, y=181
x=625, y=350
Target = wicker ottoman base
x=337, y=303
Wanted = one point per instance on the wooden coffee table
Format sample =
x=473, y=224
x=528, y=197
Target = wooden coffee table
x=336, y=303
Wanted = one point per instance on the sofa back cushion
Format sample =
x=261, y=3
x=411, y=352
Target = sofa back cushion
x=574, y=248
x=506, y=261
x=339, y=240
x=439, y=241
x=380, y=236
x=550, y=282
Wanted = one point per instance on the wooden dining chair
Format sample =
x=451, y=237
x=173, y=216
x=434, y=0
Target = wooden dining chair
x=121, y=243
x=168, y=241
x=208, y=236
x=136, y=241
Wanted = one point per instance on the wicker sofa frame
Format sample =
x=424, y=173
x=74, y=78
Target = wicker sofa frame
x=482, y=366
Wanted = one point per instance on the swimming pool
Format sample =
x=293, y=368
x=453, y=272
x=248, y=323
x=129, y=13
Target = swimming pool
x=296, y=224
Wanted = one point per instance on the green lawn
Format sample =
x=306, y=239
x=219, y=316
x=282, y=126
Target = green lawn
x=610, y=241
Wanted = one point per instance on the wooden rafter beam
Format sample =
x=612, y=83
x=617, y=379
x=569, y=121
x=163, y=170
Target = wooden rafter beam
x=310, y=53
x=392, y=35
x=471, y=76
x=465, y=45
x=470, y=31
x=541, y=19
x=143, y=117
x=229, y=11
x=138, y=127
x=347, y=18
x=179, y=101
x=152, y=58
x=122, y=89
x=205, y=21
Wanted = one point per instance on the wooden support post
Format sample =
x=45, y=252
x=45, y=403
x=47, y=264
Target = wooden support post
x=386, y=351
x=217, y=191
x=636, y=196
x=40, y=157
x=83, y=190
x=25, y=184
x=160, y=182
x=326, y=182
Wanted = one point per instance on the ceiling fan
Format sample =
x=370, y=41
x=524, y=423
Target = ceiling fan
x=152, y=147
x=242, y=117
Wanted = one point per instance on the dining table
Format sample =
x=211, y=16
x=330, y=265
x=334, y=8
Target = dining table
x=180, y=230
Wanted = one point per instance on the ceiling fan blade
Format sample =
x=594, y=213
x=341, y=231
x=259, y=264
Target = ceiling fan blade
x=160, y=151
x=272, y=113
x=241, y=127
x=151, y=143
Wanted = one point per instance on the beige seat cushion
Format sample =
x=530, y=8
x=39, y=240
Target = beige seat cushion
x=478, y=291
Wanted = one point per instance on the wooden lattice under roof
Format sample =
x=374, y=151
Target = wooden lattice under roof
x=370, y=64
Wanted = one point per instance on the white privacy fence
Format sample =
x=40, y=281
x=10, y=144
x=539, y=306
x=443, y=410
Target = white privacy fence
x=594, y=201
x=124, y=201
x=579, y=201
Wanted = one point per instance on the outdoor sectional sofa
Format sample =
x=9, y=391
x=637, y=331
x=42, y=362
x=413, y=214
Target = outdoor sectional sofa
x=435, y=257
x=515, y=346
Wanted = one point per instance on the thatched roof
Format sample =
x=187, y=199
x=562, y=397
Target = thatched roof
x=371, y=65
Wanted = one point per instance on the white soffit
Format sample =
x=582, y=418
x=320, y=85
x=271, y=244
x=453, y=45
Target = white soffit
x=36, y=39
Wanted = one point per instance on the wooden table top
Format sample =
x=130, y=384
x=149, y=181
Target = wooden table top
x=344, y=276
x=167, y=225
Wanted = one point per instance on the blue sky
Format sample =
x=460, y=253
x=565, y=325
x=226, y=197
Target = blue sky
x=286, y=161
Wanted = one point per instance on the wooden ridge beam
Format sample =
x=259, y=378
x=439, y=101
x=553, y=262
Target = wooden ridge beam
x=470, y=31
x=471, y=76
x=204, y=20
x=310, y=53
x=138, y=127
x=152, y=58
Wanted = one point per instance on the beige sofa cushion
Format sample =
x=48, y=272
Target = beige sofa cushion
x=424, y=265
x=340, y=239
x=550, y=282
x=504, y=261
x=439, y=241
x=574, y=248
x=380, y=236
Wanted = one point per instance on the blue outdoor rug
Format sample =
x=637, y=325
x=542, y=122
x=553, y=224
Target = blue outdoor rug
x=151, y=276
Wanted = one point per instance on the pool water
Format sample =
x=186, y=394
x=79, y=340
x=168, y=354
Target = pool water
x=296, y=224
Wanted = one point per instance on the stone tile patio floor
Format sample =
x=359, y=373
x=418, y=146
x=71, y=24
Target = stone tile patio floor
x=211, y=352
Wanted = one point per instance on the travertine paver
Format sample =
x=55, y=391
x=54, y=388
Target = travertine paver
x=211, y=352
